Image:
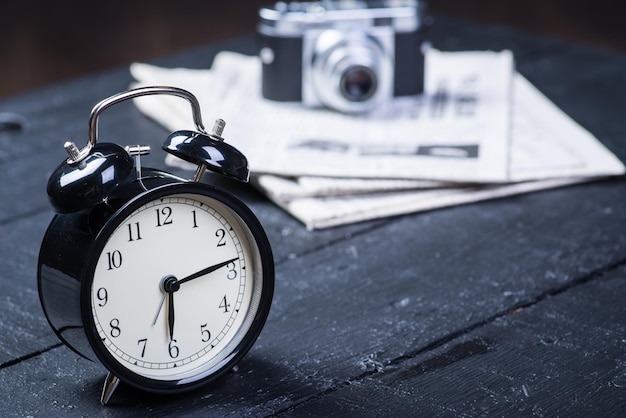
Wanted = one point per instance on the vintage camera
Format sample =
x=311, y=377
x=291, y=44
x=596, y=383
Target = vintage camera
x=346, y=55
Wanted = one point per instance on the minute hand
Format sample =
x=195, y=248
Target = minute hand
x=206, y=271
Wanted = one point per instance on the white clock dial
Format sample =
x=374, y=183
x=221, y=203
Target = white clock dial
x=176, y=287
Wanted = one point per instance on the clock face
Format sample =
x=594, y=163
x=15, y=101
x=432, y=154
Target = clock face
x=177, y=289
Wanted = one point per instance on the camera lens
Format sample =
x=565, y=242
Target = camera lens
x=350, y=71
x=358, y=83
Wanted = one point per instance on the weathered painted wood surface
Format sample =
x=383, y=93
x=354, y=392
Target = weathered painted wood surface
x=507, y=307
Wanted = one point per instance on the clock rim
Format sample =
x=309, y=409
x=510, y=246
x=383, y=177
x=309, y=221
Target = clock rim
x=247, y=219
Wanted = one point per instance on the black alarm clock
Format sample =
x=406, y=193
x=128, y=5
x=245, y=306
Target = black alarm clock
x=167, y=282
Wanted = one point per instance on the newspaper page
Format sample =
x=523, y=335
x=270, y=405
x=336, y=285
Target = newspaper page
x=458, y=133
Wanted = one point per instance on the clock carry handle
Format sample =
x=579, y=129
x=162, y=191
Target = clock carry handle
x=77, y=156
x=90, y=175
x=205, y=150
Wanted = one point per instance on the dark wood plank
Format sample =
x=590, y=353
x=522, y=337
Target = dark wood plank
x=563, y=355
x=24, y=330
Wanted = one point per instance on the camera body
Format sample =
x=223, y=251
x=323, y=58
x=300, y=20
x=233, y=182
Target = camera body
x=349, y=55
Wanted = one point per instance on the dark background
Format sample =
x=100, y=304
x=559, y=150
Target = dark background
x=43, y=42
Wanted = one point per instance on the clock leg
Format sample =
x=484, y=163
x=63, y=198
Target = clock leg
x=110, y=384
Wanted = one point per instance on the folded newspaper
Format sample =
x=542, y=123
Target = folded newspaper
x=479, y=131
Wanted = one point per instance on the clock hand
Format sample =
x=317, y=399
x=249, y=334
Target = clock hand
x=170, y=314
x=158, y=311
x=170, y=285
x=206, y=271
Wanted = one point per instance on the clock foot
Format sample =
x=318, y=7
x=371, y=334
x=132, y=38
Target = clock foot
x=110, y=384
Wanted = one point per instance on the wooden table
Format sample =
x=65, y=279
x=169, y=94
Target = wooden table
x=507, y=307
